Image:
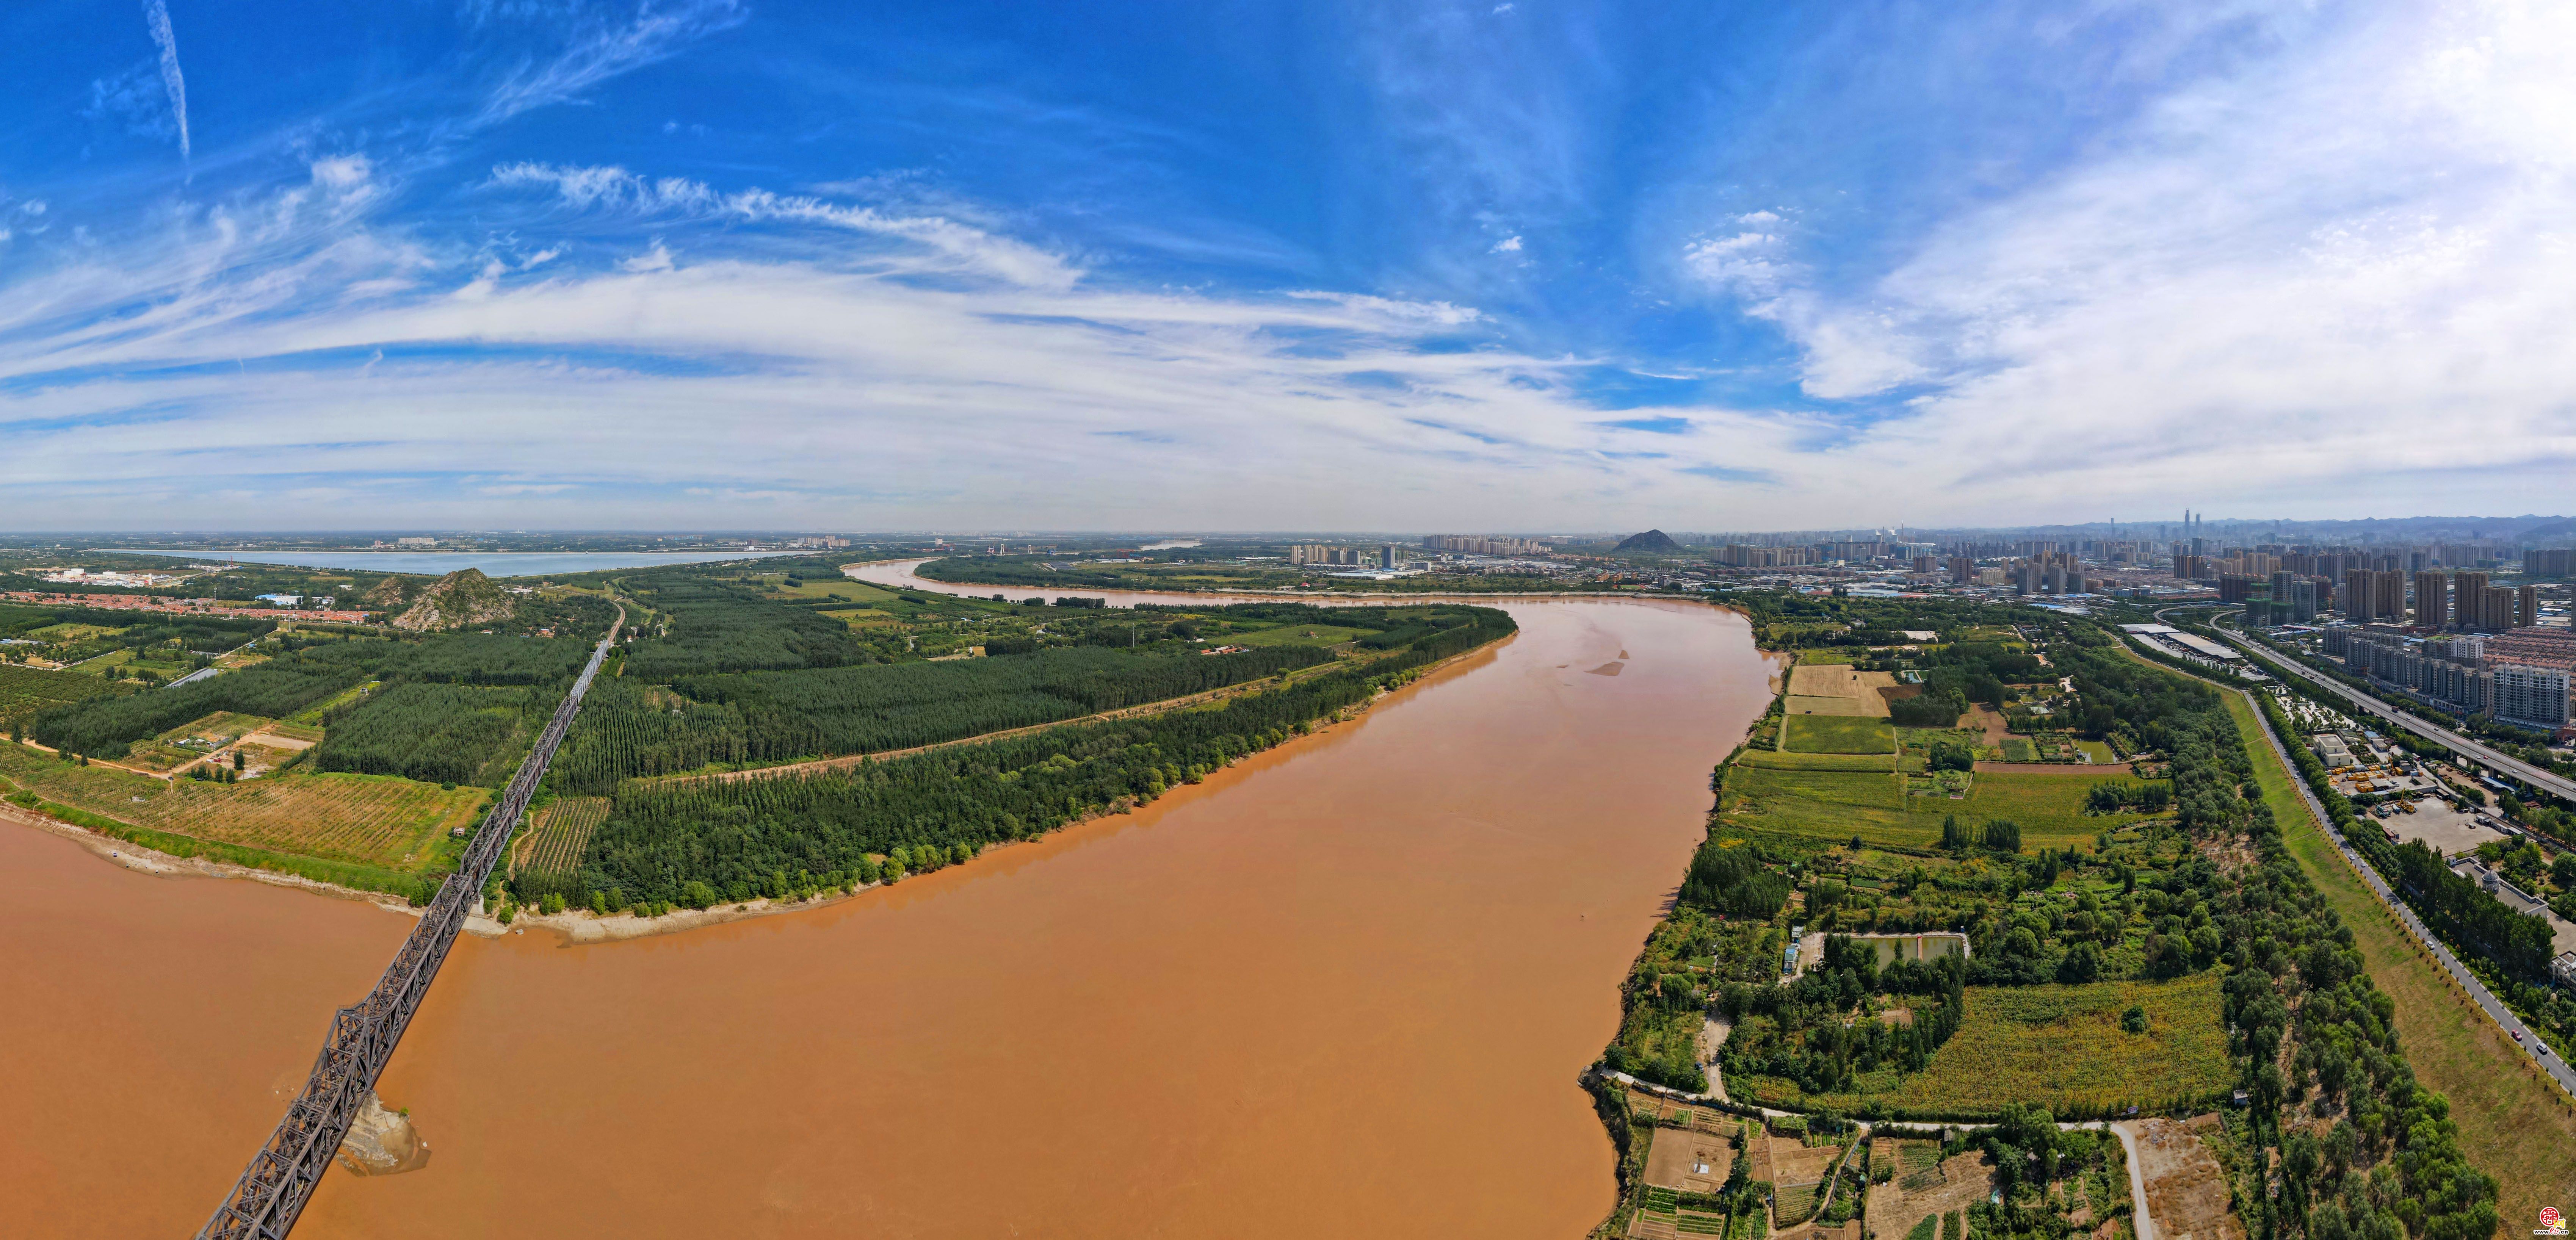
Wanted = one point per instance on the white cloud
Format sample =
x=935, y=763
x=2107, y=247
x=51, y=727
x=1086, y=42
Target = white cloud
x=1508, y=245
x=797, y=389
x=657, y=258
x=156, y=18
x=1750, y=265
x=2338, y=274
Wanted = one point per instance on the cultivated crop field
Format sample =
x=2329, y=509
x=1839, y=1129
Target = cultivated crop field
x=1837, y=734
x=369, y=819
x=1836, y=805
x=24, y=691
x=2057, y=1046
x=558, y=833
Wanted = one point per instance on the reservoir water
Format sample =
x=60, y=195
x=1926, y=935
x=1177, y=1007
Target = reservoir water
x=493, y=563
x=1343, y=988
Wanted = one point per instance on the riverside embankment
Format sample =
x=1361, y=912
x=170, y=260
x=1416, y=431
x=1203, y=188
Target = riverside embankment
x=1343, y=987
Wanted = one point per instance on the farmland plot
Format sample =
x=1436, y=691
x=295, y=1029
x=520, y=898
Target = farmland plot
x=367, y=819
x=558, y=834
x=1835, y=805
x=2056, y=1046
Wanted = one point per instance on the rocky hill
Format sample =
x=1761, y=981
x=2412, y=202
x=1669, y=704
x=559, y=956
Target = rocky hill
x=387, y=596
x=458, y=600
x=1651, y=540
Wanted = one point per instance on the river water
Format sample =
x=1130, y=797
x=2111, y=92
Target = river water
x=1343, y=988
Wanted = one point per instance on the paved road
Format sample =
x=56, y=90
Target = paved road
x=2486, y=1000
x=2144, y=1223
x=2558, y=785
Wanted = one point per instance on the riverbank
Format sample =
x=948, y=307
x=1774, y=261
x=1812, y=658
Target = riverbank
x=581, y=926
x=1383, y=1031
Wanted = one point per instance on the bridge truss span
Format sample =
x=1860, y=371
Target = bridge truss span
x=271, y=1193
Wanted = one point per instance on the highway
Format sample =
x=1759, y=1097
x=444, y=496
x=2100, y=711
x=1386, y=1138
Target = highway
x=2547, y=781
x=2486, y=1000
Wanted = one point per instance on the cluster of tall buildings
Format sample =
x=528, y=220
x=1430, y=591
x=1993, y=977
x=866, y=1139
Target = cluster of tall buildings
x=1477, y=544
x=1356, y=557
x=1746, y=555
x=2464, y=600
x=2522, y=677
x=2550, y=562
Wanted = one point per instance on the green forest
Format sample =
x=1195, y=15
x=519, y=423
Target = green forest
x=434, y=732
x=704, y=842
x=628, y=729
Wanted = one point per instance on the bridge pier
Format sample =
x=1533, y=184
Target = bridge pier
x=382, y=1142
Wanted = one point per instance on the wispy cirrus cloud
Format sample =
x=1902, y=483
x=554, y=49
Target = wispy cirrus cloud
x=615, y=190
x=597, y=46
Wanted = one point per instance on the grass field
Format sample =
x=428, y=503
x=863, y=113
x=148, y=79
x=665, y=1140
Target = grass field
x=2059, y=1046
x=375, y=820
x=1777, y=761
x=1837, y=734
x=218, y=729
x=1799, y=704
x=1295, y=635
x=1837, y=805
x=2513, y=1124
x=558, y=833
x=25, y=691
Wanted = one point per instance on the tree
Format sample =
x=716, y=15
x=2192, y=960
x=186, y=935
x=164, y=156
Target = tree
x=2134, y=1020
x=2083, y=963
x=241, y=760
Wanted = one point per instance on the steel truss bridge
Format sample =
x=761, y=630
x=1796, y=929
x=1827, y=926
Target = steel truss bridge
x=264, y=1204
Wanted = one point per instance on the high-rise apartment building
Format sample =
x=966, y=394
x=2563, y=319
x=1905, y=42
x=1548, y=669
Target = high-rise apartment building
x=2468, y=600
x=2498, y=608
x=2552, y=562
x=2526, y=607
x=2371, y=594
x=2531, y=696
x=2432, y=600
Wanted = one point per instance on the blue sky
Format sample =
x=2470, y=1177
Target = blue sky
x=1511, y=266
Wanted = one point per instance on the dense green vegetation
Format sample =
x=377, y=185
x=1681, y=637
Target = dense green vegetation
x=2181, y=949
x=436, y=733
x=765, y=717
x=702, y=625
x=107, y=727
x=26, y=692
x=312, y=672
x=696, y=842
